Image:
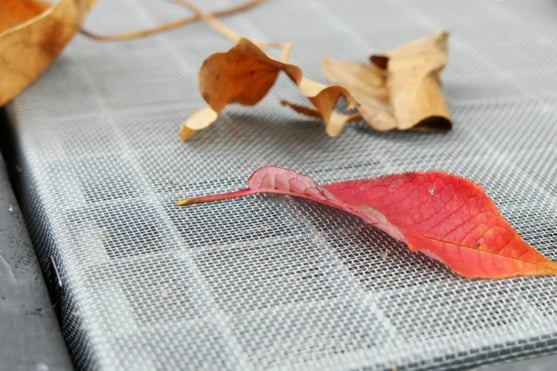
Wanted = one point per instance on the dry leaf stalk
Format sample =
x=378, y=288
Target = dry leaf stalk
x=230, y=34
x=169, y=26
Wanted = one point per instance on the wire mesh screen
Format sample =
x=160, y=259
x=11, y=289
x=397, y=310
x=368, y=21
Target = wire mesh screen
x=274, y=282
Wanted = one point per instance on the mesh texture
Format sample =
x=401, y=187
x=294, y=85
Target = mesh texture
x=273, y=282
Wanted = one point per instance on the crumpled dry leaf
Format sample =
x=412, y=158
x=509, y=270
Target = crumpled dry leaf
x=245, y=73
x=32, y=34
x=399, y=89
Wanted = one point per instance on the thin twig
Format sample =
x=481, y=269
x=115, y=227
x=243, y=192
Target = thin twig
x=171, y=25
x=211, y=21
x=231, y=34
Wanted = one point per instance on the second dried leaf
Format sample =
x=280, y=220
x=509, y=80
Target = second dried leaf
x=245, y=73
x=400, y=88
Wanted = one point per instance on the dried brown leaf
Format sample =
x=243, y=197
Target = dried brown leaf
x=367, y=84
x=399, y=89
x=14, y=12
x=324, y=99
x=245, y=73
x=32, y=34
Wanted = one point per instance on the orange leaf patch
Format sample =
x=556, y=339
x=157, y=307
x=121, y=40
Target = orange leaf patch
x=32, y=34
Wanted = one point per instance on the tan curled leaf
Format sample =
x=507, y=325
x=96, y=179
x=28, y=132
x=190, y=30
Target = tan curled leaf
x=32, y=34
x=367, y=84
x=244, y=74
x=399, y=89
x=324, y=99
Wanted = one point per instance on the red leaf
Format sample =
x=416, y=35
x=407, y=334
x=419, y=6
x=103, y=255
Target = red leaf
x=446, y=217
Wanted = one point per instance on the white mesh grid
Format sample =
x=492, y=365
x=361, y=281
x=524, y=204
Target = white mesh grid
x=272, y=282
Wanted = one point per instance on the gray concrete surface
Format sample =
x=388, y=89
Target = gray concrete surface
x=30, y=337
x=546, y=363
